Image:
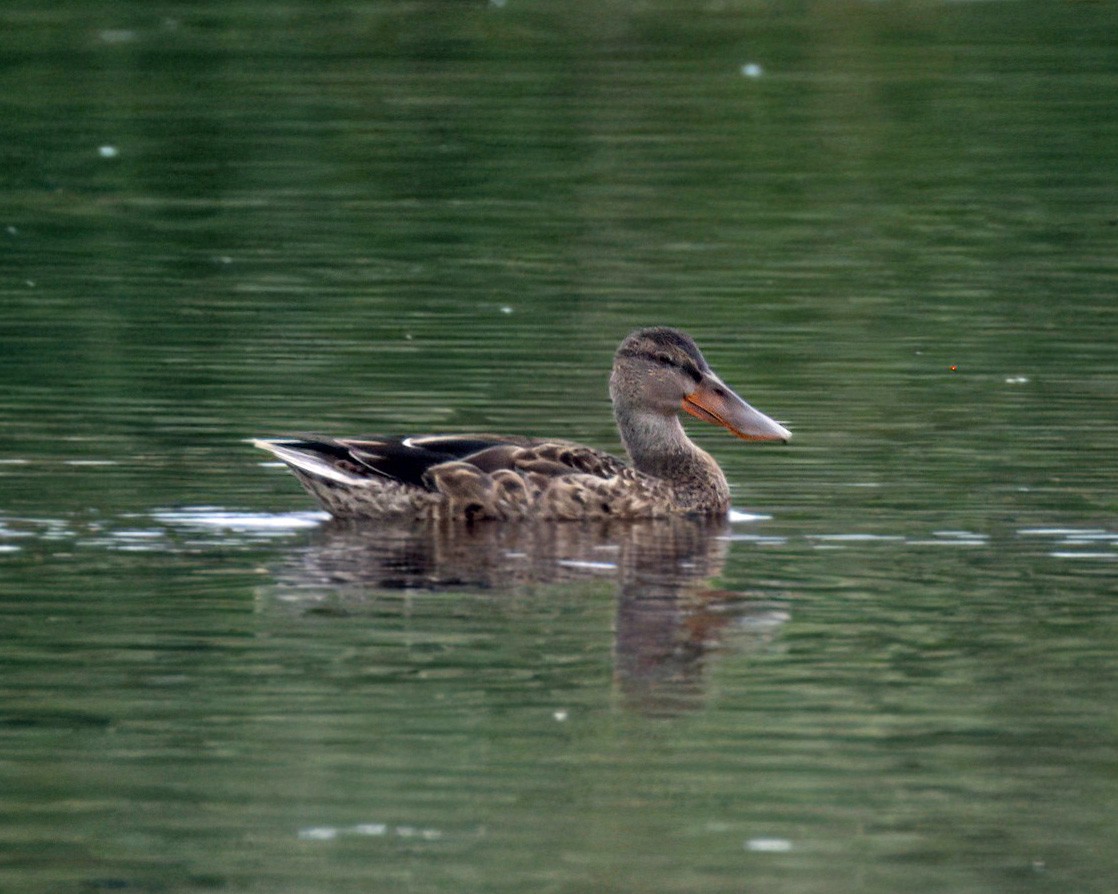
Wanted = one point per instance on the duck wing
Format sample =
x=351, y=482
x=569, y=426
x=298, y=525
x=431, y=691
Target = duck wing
x=410, y=460
x=551, y=459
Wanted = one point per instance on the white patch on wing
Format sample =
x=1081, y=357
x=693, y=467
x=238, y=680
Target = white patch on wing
x=421, y=442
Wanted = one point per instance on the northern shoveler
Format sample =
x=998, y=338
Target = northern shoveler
x=656, y=373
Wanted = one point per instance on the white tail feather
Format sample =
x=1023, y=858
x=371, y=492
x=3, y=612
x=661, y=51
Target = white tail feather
x=312, y=465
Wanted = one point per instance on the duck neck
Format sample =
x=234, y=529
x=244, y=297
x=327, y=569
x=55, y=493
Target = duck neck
x=658, y=446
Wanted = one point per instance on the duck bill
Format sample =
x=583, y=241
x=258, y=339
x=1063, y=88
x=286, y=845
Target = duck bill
x=714, y=402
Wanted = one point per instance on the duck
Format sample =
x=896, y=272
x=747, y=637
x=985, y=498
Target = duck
x=658, y=372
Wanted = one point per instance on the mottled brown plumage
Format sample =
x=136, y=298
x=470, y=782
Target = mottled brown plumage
x=656, y=373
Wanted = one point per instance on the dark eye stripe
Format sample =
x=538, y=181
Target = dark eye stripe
x=638, y=355
x=685, y=366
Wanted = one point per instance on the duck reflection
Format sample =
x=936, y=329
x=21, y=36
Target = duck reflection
x=669, y=617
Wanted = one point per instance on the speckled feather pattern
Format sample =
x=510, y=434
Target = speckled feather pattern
x=548, y=481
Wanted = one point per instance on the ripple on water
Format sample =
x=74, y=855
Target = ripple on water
x=200, y=526
x=1076, y=543
x=159, y=531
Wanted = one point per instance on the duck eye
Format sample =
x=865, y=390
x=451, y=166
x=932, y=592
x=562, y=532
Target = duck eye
x=665, y=360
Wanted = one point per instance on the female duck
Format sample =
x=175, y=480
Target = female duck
x=656, y=373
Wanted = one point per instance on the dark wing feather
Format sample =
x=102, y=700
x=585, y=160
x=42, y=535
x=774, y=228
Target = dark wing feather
x=407, y=460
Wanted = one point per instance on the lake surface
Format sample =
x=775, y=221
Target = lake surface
x=891, y=226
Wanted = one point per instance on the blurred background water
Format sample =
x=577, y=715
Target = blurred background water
x=890, y=225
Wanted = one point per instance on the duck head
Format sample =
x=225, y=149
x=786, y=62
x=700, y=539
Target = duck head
x=661, y=371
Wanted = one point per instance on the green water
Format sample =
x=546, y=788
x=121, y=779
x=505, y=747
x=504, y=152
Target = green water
x=891, y=226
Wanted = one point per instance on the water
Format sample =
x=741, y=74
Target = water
x=890, y=226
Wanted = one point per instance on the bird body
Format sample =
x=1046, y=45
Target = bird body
x=656, y=373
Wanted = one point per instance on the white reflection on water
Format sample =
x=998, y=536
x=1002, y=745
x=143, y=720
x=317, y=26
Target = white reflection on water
x=214, y=517
x=854, y=538
x=738, y=515
x=1076, y=537
x=769, y=845
x=367, y=830
x=168, y=530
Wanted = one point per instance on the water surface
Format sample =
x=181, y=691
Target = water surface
x=890, y=226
